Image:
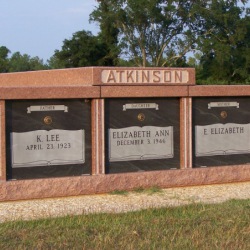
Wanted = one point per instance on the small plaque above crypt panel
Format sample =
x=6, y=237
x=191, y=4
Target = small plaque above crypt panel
x=142, y=134
x=48, y=138
x=221, y=131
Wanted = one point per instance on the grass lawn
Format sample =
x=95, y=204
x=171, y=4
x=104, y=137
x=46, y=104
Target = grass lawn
x=218, y=226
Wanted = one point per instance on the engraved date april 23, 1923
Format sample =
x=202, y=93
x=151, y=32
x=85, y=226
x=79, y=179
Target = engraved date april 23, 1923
x=52, y=142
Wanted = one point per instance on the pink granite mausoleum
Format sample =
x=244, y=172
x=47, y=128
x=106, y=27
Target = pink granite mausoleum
x=99, y=84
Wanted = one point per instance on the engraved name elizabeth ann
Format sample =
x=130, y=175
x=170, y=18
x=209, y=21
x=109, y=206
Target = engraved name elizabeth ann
x=141, y=143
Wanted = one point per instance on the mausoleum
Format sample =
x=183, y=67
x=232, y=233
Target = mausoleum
x=99, y=129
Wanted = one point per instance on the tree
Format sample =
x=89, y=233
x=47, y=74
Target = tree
x=151, y=32
x=108, y=34
x=161, y=33
x=55, y=62
x=19, y=62
x=222, y=31
x=4, y=62
x=83, y=49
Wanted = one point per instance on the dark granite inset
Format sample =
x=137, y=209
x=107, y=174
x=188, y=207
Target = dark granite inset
x=77, y=117
x=224, y=121
x=162, y=112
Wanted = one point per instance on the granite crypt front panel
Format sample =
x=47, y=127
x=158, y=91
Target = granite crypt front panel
x=142, y=134
x=221, y=129
x=48, y=138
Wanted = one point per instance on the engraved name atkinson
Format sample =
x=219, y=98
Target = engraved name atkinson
x=141, y=143
x=222, y=139
x=41, y=147
x=145, y=76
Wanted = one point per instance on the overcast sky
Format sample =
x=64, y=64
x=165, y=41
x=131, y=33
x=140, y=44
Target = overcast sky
x=37, y=28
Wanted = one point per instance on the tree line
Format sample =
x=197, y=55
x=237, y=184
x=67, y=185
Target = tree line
x=212, y=36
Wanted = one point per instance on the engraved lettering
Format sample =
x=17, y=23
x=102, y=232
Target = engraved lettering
x=156, y=75
x=139, y=143
x=52, y=138
x=120, y=73
x=222, y=139
x=223, y=131
x=41, y=147
x=111, y=77
x=162, y=133
x=34, y=147
x=136, y=76
x=167, y=76
x=47, y=108
x=178, y=76
x=145, y=76
x=130, y=76
x=38, y=138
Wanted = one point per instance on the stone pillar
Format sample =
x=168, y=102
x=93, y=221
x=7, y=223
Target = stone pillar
x=186, y=132
x=98, y=158
x=2, y=142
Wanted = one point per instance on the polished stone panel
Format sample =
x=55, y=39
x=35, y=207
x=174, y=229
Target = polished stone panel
x=221, y=129
x=48, y=138
x=142, y=134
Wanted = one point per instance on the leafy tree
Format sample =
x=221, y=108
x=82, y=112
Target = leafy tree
x=221, y=33
x=19, y=62
x=84, y=49
x=4, y=62
x=151, y=32
x=55, y=62
x=160, y=33
x=108, y=34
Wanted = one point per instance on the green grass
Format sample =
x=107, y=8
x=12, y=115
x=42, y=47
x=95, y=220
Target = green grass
x=119, y=192
x=140, y=190
x=220, y=226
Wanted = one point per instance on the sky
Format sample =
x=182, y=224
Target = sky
x=38, y=28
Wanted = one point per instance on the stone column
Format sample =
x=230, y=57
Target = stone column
x=2, y=142
x=186, y=132
x=98, y=146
